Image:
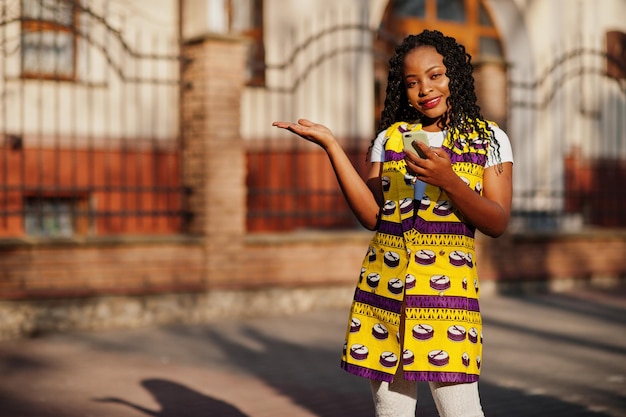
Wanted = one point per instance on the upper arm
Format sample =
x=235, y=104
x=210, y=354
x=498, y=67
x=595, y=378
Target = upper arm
x=498, y=187
x=374, y=183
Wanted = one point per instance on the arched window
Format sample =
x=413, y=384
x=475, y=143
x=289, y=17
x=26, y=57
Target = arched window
x=468, y=21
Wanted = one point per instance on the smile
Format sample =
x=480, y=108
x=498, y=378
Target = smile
x=430, y=103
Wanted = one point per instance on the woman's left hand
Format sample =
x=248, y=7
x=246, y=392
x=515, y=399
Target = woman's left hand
x=435, y=169
x=488, y=212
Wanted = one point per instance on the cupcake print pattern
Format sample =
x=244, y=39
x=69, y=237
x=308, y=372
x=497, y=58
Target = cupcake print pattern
x=421, y=259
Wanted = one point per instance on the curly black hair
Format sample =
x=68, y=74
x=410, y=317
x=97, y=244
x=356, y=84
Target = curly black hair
x=463, y=114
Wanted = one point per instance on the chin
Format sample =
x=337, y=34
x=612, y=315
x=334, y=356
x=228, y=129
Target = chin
x=432, y=116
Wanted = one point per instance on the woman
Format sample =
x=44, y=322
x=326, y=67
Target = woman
x=415, y=315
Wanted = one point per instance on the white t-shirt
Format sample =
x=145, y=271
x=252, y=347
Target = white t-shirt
x=435, y=139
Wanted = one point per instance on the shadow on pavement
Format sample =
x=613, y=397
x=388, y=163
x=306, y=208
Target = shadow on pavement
x=298, y=357
x=14, y=407
x=177, y=400
x=607, y=305
x=506, y=402
x=29, y=405
x=312, y=378
x=307, y=373
x=550, y=335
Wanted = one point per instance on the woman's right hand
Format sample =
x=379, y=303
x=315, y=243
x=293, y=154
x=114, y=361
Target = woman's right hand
x=313, y=132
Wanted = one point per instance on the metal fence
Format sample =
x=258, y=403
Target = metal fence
x=290, y=183
x=90, y=130
x=567, y=125
x=89, y=122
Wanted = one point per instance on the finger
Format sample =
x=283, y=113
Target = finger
x=280, y=124
x=427, y=150
x=440, y=152
x=437, y=152
x=292, y=127
x=305, y=122
x=411, y=155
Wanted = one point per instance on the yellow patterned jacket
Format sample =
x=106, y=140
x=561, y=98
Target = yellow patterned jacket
x=420, y=261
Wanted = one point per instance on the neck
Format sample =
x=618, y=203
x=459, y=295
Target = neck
x=432, y=125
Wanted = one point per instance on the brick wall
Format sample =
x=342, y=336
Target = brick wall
x=97, y=286
x=111, y=266
x=213, y=154
x=555, y=261
x=589, y=256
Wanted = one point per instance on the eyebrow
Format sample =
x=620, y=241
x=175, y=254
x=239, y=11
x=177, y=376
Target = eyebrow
x=434, y=67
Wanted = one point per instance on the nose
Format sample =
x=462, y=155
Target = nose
x=425, y=89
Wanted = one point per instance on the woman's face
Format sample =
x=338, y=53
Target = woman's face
x=426, y=83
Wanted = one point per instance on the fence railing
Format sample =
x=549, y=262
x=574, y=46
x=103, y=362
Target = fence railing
x=91, y=143
x=567, y=125
x=89, y=124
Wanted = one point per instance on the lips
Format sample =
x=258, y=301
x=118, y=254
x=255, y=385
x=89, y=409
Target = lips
x=427, y=105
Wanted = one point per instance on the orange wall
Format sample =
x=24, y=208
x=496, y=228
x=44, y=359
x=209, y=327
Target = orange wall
x=296, y=189
x=594, y=187
x=87, y=174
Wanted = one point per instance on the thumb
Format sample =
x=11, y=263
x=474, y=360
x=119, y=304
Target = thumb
x=305, y=122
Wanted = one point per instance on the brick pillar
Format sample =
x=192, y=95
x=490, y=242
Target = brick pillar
x=491, y=80
x=213, y=151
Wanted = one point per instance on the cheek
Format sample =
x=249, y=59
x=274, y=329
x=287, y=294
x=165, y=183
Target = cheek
x=445, y=86
x=409, y=94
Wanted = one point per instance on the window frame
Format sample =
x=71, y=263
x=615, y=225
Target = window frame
x=256, y=52
x=616, y=54
x=43, y=218
x=467, y=33
x=41, y=25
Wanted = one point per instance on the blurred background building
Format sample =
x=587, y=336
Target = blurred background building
x=141, y=180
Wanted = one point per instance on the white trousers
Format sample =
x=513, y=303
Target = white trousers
x=399, y=398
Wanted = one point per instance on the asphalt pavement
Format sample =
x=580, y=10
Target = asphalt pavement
x=546, y=354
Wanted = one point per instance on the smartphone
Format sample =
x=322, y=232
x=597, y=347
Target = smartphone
x=418, y=136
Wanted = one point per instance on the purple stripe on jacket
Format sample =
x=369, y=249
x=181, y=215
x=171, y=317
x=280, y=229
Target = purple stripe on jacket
x=378, y=301
x=472, y=157
x=440, y=376
x=366, y=373
x=441, y=228
x=390, y=228
x=393, y=155
x=436, y=301
x=425, y=227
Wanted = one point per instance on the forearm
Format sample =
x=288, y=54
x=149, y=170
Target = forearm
x=487, y=216
x=357, y=193
x=488, y=213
